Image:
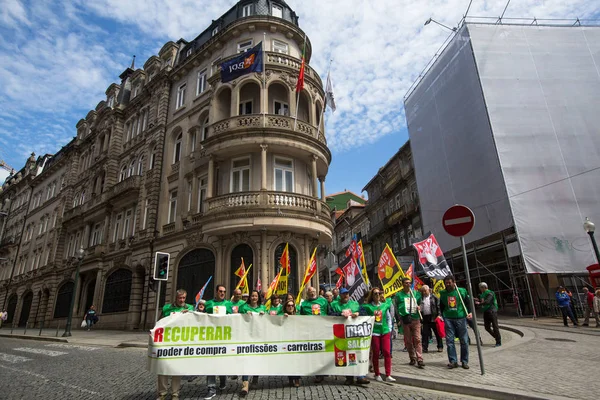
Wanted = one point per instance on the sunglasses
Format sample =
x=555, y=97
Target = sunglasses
x=376, y=293
x=221, y=291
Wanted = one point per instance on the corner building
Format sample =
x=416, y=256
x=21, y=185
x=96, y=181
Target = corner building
x=176, y=161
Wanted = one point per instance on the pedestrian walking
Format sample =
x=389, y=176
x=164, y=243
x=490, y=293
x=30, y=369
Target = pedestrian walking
x=430, y=310
x=90, y=317
x=489, y=306
x=564, y=304
x=380, y=340
x=455, y=306
x=178, y=305
x=597, y=307
x=289, y=308
x=588, y=306
x=408, y=309
x=3, y=317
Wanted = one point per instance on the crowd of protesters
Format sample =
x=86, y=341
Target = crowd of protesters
x=418, y=313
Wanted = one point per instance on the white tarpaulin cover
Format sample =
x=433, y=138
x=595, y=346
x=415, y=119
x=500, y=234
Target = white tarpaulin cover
x=252, y=344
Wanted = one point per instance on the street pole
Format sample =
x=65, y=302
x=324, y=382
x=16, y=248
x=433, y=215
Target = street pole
x=70, y=317
x=595, y=246
x=158, y=292
x=470, y=288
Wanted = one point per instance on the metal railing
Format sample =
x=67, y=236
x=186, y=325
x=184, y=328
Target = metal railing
x=549, y=308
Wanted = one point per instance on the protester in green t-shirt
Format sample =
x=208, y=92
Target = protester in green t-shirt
x=253, y=306
x=236, y=301
x=313, y=305
x=380, y=341
x=178, y=305
x=454, y=302
x=489, y=305
x=276, y=307
x=218, y=306
x=408, y=308
x=288, y=297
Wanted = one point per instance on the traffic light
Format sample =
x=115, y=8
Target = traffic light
x=161, y=266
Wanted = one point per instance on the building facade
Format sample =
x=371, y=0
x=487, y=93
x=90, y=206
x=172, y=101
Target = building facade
x=174, y=160
x=505, y=122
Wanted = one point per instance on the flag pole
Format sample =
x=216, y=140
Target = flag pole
x=297, y=91
x=265, y=80
x=325, y=105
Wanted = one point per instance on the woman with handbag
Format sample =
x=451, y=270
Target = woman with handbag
x=90, y=317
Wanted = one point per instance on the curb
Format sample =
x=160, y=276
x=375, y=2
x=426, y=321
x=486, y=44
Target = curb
x=578, y=331
x=38, y=338
x=470, y=389
x=136, y=345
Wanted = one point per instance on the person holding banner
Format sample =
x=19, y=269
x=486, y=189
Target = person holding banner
x=409, y=311
x=289, y=308
x=381, y=332
x=430, y=309
x=163, y=380
x=276, y=307
x=236, y=301
x=218, y=306
x=253, y=306
x=201, y=307
x=455, y=306
x=314, y=305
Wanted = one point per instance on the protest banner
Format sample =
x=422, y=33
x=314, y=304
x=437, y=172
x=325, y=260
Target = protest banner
x=355, y=283
x=202, y=344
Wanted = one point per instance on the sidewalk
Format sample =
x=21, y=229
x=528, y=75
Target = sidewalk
x=110, y=338
x=554, y=324
x=542, y=364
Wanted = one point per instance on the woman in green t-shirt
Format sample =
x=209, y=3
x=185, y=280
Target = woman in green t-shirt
x=381, y=332
x=253, y=306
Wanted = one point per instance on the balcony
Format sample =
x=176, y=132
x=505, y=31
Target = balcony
x=391, y=183
x=396, y=216
x=126, y=186
x=278, y=210
x=243, y=123
x=274, y=59
x=92, y=203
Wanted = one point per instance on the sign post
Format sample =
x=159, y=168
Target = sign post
x=161, y=273
x=458, y=221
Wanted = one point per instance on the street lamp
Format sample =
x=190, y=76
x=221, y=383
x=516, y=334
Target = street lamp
x=430, y=20
x=80, y=255
x=590, y=228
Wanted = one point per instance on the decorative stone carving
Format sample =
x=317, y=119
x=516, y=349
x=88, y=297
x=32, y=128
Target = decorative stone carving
x=240, y=237
x=286, y=236
x=195, y=239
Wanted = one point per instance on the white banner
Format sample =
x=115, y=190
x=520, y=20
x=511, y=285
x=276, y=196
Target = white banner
x=253, y=344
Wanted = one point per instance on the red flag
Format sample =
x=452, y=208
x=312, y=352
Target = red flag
x=339, y=271
x=351, y=251
x=340, y=281
x=300, y=84
x=418, y=283
x=285, y=259
x=409, y=272
x=258, y=285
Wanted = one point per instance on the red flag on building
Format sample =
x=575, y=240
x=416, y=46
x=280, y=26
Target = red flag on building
x=300, y=83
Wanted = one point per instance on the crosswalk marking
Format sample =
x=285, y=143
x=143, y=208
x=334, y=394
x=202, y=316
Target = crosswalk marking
x=51, y=353
x=12, y=358
x=72, y=346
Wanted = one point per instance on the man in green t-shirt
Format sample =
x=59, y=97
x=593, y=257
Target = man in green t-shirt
x=314, y=305
x=236, y=301
x=218, y=306
x=454, y=302
x=489, y=305
x=408, y=304
x=178, y=305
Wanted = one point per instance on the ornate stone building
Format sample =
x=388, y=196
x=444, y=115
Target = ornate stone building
x=174, y=160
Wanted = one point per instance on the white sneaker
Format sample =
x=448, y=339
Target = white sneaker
x=378, y=378
x=390, y=379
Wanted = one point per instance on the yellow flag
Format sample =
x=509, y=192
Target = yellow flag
x=438, y=286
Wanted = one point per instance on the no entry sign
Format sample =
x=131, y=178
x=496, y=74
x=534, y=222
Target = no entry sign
x=458, y=220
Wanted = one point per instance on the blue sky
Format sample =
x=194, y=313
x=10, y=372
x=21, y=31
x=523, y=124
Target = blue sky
x=57, y=58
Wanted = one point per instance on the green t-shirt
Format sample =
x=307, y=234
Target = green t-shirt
x=451, y=303
x=486, y=307
x=214, y=307
x=317, y=306
x=255, y=310
x=337, y=307
x=276, y=310
x=380, y=312
x=404, y=302
x=171, y=308
x=235, y=307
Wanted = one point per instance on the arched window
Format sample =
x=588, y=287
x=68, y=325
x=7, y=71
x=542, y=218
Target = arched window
x=292, y=284
x=177, y=149
x=131, y=170
x=241, y=251
x=205, y=129
x=141, y=165
x=123, y=173
x=193, y=134
x=11, y=308
x=117, y=291
x=63, y=300
x=82, y=197
x=153, y=157
x=194, y=270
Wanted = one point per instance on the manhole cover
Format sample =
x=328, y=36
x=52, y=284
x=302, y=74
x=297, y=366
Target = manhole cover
x=560, y=340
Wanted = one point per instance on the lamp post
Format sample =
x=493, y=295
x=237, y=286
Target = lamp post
x=80, y=255
x=590, y=228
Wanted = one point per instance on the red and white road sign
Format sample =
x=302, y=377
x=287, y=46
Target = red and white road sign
x=458, y=220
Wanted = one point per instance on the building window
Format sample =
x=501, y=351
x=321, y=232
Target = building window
x=284, y=174
x=131, y=170
x=216, y=65
x=123, y=173
x=117, y=291
x=140, y=170
x=117, y=226
x=205, y=129
x=63, y=300
x=172, y=206
x=188, y=53
x=128, y=132
x=395, y=246
x=201, y=82
x=247, y=10
x=70, y=245
x=279, y=47
x=398, y=201
x=139, y=125
x=168, y=62
x=96, y=235
x=146, y=208
x=46, y=223
x=145, y=120
x=126, y=224
x=215, y=31
x=193, y=140
x=177, y=149
x=281, y=108
x=189, y=190
x=244, y=46
x=240, y=175
x=180, y=96
x=246, y=107
x=277, y=11
x=391, y=206
x=202, y=190
x=153, y=157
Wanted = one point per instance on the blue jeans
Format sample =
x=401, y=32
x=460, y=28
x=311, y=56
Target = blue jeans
x=457, y=328
x=89, y=323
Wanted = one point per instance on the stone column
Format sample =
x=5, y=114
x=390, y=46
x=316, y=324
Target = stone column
x=98, y=289
x=77, y=311
x=264, y=257
x=322, y=180
x=263, y=167
x=314, y=176
x=211, y=177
